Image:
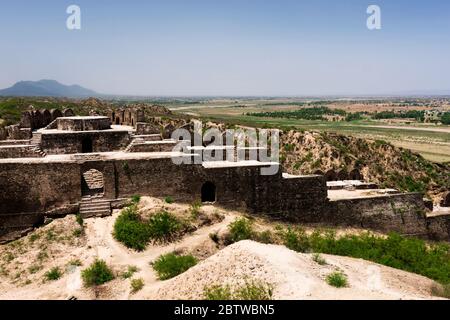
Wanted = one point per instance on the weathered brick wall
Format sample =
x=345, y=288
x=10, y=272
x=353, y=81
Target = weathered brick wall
x=439, y=227
x=299, y=199
x=18, y=151
x=148, y=128
x=29, y=189
x=403, y=213
x=83, y=124
x=66, y=143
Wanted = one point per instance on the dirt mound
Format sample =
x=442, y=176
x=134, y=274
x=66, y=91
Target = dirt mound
x=292, y=275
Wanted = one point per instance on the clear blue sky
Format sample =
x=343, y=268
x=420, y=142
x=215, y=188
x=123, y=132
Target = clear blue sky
x=229, y=47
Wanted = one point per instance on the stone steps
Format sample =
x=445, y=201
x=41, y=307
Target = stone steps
x=92, y=207
x=37, y=149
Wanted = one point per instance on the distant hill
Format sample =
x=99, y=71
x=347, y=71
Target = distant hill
x=46, y=88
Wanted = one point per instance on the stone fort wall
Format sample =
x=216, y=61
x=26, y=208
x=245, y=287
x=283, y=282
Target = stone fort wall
x=72, y=142
x=30, y=191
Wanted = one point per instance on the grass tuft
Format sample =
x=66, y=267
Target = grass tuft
x=170, y=265
x=136, y=285
x=240, y=229
x=53, y=274
x=135, y=199
x=337, y=279
x=163, y=226
x=319, y=259
x=251, y=290
x=168, y=200
x=130, y=271
x=98, y=273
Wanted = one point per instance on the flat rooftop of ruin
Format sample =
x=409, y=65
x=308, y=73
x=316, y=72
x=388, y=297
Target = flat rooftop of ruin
x=121, y=155
x=234, y=164
x=102, y=156
x=343, y=194
x=83, y=118
x=114, y=128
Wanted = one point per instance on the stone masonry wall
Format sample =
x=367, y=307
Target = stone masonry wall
x=30, y=189
x=62, y=143
x=19, y=151
x=403, y=213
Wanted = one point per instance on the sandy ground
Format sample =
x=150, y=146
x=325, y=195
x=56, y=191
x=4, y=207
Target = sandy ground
x=293, y=275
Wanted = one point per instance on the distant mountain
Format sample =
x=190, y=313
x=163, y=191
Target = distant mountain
x=47, y=88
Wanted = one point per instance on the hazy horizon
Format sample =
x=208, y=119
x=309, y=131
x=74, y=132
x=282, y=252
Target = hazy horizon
x=230, y=48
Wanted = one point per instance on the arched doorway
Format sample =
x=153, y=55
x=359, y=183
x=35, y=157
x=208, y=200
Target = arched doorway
x=86, y=145
x=92, y=183
x=208, y=192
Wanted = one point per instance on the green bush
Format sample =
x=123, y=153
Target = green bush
x=319, y=259
x=170, y=265
x=218, y=293
x=446, y=118
x=240, y=229
x=251, y=290
x=254, y=290
x=135, y=199
x=195, y=209
x=264, y=237
x=168, y=200
x=130, y=230
x=75, y=262
x=77, y=232
x=98, y=273
x=136, y=285
x=79, y=219
x=53, y=274
x=405, y=253
x=163, y=226
x=337, y=279
x=129, y=273
x=296, y=240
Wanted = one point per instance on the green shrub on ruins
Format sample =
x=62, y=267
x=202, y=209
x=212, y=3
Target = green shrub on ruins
x=130, y=230
x=170, y=265
x=79, y=219
x=240, y=229
x=168, y=200
x=98, y=273
x=218, y=293
x=337, y=279
x=319, y=259
x=135, y=199
x=136, y=233
x=163, y=226
x=296, y=239
x=405, y=253
x=53, y=274
x=195, y=209
x=251, y=290
x=136, y=285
